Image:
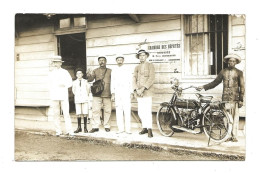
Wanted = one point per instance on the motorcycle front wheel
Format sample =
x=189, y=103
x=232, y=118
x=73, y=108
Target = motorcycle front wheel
x=165, y=120
x=216, y=125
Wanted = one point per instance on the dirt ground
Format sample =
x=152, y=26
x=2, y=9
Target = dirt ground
x=36, y=147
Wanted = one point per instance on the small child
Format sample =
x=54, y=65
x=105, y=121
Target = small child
x=82, y=94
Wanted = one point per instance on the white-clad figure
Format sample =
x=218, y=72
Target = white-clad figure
x=82, y=97
x=121, y=87
x=60, y=81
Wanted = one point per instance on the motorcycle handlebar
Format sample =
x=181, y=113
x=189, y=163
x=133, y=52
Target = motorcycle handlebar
x=190, y=87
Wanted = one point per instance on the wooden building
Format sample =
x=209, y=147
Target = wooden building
x=189, y=47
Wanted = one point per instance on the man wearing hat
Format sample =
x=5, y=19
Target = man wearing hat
x=60, y=81
x=233, y=89
x=143, y=80
x=102, y=72
x=121, y=88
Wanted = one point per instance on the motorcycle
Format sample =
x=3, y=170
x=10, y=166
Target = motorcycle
x=194, y=116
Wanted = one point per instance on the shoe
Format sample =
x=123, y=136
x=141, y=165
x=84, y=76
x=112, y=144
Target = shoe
x=107, y=129
x=78, y=130
x=143, y=131
x=71, y=134
x=234, y=140
x=150, y=133
x=58, y=134
x=118, y=132
x=94, y=130
x=229, y=139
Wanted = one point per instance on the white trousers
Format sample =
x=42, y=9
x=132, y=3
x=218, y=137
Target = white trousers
x=145, y=111
x=123, y=112
x=234, y=111
x=64, y=106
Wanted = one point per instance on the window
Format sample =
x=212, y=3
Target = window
x=206, y=43
x=79, y=21
x=66, y=22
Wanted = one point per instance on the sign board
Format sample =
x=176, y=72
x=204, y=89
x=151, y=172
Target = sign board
x=166, y=51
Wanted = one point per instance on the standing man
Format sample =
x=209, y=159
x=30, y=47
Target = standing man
x=121, y=87
x=105, y=98
x=143, y=80
x=233, y=89
x=60, y=81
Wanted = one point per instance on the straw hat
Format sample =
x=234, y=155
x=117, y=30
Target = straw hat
x=57, y=59
x=226, y=58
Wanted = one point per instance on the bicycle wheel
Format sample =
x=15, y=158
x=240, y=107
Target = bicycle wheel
x=165, y=120
x=216, y=125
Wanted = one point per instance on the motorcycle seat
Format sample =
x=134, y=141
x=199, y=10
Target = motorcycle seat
x=204, y=99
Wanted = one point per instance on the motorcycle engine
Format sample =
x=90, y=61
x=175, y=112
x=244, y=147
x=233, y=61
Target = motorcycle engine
x=189, y=118
x=193, y=114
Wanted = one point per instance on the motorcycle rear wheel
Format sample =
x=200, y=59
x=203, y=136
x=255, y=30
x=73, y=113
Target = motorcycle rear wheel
x=165, y=120
x=217, y=125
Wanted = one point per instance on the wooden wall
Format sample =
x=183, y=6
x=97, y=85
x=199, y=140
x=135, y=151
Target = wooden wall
x=120, y=34
x=238, y=38
x=34, y=47
x=238, y=46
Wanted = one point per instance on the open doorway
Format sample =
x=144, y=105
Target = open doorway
x=72, y=48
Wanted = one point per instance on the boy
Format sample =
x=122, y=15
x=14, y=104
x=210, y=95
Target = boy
x=81, y=91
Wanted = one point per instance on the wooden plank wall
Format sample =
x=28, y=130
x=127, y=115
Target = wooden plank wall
x=33, y=49
x=238, y=37
x=121, y=35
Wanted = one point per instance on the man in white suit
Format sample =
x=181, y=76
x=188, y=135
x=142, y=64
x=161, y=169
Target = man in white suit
x=121, y=87
x=60, y=81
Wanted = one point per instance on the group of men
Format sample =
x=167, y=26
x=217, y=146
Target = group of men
x=121, y=86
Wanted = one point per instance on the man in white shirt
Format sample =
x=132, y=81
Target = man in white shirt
x=60, y=81
x=121, y=87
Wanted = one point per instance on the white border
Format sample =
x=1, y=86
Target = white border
x=8, y=10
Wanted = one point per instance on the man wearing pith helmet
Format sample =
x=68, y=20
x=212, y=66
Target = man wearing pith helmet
x=121, y=89
x=60, y=81
x=233, y=89
x=143, y=80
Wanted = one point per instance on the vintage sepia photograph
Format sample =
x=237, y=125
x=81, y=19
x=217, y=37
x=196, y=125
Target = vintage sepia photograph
x=130, y=87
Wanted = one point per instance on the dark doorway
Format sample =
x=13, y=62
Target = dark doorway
x=72, y=48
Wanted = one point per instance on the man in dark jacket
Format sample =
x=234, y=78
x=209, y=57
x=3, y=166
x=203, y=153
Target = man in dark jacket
x=105, y=98
x=233, y=89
